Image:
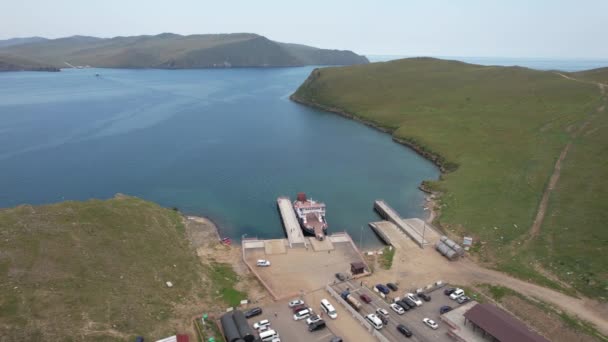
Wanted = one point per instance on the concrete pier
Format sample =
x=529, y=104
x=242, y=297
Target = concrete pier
x=391, y=215
x=295, y=236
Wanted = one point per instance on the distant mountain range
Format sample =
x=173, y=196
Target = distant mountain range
x=168, y=51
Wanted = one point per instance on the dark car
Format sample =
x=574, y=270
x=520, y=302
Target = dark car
x=445, y=309
x=425, y=297
x=336, y=339
x=448, y=291
x=299, y=308
x=403, y=304
x=139, y=339
x=404, y=330
x=341, y=276
x=365, y=298
x=318, y=325
x=253, y=312
x=383, y=288
x=409, y=302
x=392, y=286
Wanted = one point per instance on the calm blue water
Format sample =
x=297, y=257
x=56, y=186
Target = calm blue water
x=221, y=143
x=533, y=63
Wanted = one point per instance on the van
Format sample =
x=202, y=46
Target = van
x=269, y=335
x=301, y=314
x=374, y=321
x=329, y=309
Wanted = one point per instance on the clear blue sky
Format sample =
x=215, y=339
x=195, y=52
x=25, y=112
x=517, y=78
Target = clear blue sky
x=509, y=28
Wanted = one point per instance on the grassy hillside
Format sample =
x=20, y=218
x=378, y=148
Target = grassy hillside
x=13, y=63
x=594, y=75
x=96, y=271
x=499, y=130
x=175, y=51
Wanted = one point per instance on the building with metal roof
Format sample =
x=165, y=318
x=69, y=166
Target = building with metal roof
x=497, y=325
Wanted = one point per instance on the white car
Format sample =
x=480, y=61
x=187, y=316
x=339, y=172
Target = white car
x=305, y=313
x=374, y=321
x=295, y=303
x=312, y=319
x=382, y=312
x=397, y=308
x=456, y=294
x=414, y=299
x=430, y=323
x=261, y=324
x=263, y=263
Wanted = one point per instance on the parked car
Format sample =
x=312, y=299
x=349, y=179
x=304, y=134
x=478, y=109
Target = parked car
x=139, y=339
x=397, y=308
x=403, y=305
x=317, y=326
x=382, y=288
x=448, y=291
x=301, y=314
x=298, y=308
x=365, y=298
x=384, y=319
x=341, y=276
x=313, y=319
x=263, y=263
x=445, y=309
x=336, y=339
x=425, y=297
x=457, y=293
x=463, y=299
x=392, y=286
x=295, y=303
x=404, y=330
x=374, y=321
x=253, y=312
x=409, y=302
x=414, y=299
x=259, y=325
x=430, y=323
x=382, y=312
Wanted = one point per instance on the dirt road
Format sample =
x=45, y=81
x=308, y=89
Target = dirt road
x=414, y=268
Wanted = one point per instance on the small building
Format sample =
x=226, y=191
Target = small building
x=357, y=267
x=497, y=325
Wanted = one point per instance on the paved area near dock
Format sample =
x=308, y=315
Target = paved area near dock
x=319, y=246
x=301, y=270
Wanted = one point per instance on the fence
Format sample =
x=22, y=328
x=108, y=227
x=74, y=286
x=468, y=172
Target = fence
x=356, y=315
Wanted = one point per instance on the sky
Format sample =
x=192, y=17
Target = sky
x=492, y=28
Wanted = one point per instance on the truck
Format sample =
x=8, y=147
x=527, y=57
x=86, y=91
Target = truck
x=351, y=300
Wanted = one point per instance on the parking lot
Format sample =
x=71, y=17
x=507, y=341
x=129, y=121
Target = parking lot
x=295, y=271
x=281, y=320
x=412, y=319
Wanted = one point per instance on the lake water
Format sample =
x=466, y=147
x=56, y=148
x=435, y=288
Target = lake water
x=220, y=143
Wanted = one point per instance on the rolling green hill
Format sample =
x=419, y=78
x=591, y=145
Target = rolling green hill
x=96, y=271
x=12, y=63
x=179, y=52
x=497, y=132
x=595, y=75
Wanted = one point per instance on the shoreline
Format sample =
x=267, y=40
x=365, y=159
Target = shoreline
x=430, y=199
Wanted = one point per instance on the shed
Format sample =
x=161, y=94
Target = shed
x=357, y=267
x=242, y=326
x=183, y=338
x=229, y=326
x=498, y=324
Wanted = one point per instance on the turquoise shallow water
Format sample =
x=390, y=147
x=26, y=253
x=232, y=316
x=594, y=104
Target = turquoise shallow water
x=221, y=143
